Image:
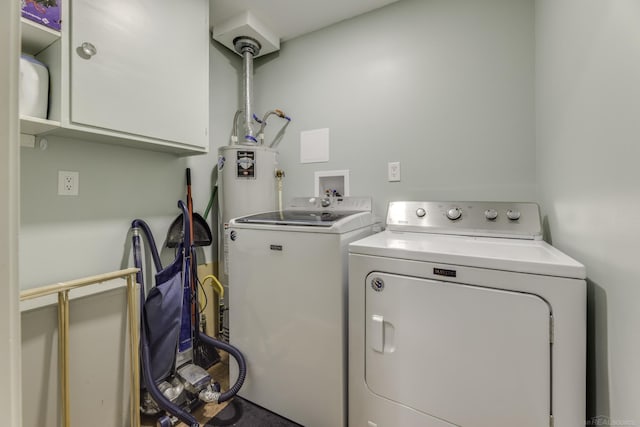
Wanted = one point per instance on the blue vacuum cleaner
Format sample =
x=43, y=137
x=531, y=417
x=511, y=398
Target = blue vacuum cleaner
x=173, y=383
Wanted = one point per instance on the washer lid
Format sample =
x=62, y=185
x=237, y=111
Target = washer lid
x=337, y=223
x=314, y=215
x=296, y=217
x=522, y=256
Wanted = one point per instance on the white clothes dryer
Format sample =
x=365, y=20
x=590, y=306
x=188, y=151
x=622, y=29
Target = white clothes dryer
x=460, y=315
x=288, y=282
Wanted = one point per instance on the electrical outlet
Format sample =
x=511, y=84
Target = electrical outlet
x=68, y=183
x=393, y=171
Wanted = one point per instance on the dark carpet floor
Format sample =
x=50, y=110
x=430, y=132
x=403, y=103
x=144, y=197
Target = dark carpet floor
x=242, y=413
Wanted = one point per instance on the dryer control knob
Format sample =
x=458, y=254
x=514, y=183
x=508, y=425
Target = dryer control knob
x=491, y=214
x=513, y=215
x=420, y=212
x=454, y=213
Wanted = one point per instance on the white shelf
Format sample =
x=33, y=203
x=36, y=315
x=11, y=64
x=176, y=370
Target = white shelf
x=36, y=126
x=36, y=37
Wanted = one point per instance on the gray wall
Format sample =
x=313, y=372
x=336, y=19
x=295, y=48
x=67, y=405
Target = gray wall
x=62, y=237
x=445, y=87
x=588, y=134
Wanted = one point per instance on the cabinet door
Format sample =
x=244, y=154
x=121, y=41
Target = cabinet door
x=149, y=74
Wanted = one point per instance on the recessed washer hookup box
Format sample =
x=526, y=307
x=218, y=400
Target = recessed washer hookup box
x=44, y=12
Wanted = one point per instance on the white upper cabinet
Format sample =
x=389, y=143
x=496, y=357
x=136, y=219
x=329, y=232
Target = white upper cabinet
x=132, y=72
x=143, y=69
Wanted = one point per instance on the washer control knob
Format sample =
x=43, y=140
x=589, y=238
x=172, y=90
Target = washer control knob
x=491, y=214
x=420, y=212
x=325, y=202
x=454, y=213
x=513, y=215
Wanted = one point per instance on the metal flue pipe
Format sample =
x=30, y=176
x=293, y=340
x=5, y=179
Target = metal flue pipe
x=248, y=48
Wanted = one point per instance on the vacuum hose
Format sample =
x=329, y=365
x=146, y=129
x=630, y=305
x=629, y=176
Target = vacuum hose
x=242, y=365
x=136, y=225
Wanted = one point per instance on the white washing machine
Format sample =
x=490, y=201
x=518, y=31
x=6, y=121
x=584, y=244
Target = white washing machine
x=460, y=315
x=288, y=280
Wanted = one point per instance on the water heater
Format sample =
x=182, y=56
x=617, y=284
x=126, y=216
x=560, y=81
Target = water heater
x=247, y=184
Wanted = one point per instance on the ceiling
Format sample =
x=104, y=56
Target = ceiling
x=291, y=18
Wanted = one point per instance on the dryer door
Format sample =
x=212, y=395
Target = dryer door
x=467, y=355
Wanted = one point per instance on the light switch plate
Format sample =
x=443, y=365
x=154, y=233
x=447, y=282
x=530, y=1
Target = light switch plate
x=393, y=171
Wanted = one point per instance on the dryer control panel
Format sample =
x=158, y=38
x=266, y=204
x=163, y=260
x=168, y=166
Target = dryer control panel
x=517, y=220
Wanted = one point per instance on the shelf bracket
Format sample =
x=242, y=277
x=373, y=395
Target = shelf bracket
x=28, y=141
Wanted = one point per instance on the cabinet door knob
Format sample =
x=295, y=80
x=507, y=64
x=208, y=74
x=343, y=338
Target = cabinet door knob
x=88, y=49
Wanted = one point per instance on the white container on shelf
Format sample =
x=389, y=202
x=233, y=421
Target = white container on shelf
x=34, y=87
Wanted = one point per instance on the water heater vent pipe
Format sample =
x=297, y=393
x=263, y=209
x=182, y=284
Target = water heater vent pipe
x=247, y=48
